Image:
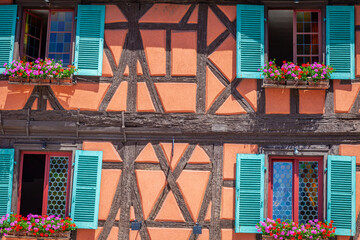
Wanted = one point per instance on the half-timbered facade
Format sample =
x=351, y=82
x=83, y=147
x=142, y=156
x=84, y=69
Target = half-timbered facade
x=168, y=121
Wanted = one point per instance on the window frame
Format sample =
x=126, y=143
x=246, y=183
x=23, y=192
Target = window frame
x=295, y=33
x=295, y=179
x=46, y=177
x=73, y=31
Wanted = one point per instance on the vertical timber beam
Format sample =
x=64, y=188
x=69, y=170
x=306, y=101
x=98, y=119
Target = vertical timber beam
x=127, y=178
x=217, y=160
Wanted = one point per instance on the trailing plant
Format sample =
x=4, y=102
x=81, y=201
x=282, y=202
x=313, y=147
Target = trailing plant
x=281, y=230
x=35, y=225
x=39, y=69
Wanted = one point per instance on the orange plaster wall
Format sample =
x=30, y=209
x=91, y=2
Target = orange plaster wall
x=230, y=151
x=214, y=27
x=177, y=97
x=165, y=13
x=109, y=182
x=114, y=14
x=228, y=203
x=115, y=41
x=93, y=234
x=277, y=101
x=119, y=100
x=155, y=50
x=248, y=89
x=83, y=96
x=169, y=233
x=344, y=96
x=311, y=101
x=6, y=2
x=357, y=41
x=143, y=98
x=350, y=150
x=183, y=53
x=110, y=154
x=13, y=97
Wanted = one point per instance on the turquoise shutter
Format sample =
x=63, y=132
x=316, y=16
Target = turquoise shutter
x=250, y=41
x=340, y=41
x=341, y=178
x=249, y=203
x=6, y=179
x=86, y=189
x=7, y=33
x=89, y=40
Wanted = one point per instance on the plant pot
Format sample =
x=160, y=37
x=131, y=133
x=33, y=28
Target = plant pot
x=267, y=237
x=66, y=80
x=291, y=82
x=301, y=82
x=18, y=79
x=45, y=80
x=270, y=81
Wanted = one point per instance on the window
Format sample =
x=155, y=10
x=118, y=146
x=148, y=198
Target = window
x=50, y=33
x=294, y=35
x=47, y=33
x=295, y=185
x=44, y=187
x=295, y=189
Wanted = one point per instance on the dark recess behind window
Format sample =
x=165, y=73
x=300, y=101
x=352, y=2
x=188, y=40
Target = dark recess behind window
x=280, y=26
x=32, y=184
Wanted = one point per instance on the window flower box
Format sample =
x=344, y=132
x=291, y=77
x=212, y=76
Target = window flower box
x=289, y=75
x=39, y=72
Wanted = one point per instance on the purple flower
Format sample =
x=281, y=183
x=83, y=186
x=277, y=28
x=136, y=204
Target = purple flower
x=272, y=74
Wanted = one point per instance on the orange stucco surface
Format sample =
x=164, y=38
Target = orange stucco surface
x=199, y=156
x=114, y=14
x=13, y=97
x=90, y=234
x=228, y=203
x=229, y=11
x=164, y=233
x=214, y=27
x=194, y=16
x=173, y=157
x=277, y=101
x=311, y=101
x=229, y=234
x=119, y=100
x=170, y=210
x=110, y=154
x=224, y=58
x=143, y=99
x=83, y=96
x=248, y=89
x=193, y=193
x=344, y=96
x=115, y=41
x=165, y=13
x=230, y=151
x=6, y=1
x=109, y=181
x=154, y=42
x=147, y=155
x=231, y=106
x=183, y=53
x=150, y=184
x=213, y=88
x=106, y=68
x=350, y=150
x=357, y=41
x=177, y=97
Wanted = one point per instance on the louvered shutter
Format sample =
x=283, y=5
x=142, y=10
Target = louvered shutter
x=86, y=189
x=249, y=208
x=341, y=178
x=7, y=33
x=340, y=41
x=6, y=179
x=250, y=40
x=89, y=40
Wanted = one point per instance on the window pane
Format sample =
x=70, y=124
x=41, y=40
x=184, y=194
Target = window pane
x=308, y=191
x=282, y=190
x=58, y=175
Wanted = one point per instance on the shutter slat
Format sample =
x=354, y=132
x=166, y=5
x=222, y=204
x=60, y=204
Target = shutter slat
x=8, y=15
x=6, y=179
x=90, y=40
x=249, y=192
x=86, y=189
x=341, y=194
x=250, y=40
x=340, y=41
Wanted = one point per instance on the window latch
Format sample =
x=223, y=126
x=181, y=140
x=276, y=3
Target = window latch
x=265, y=19
x=324, y=19
x=325, y=169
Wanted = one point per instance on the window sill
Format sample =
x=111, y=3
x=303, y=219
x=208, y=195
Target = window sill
x=42, y=81
x=293, y=83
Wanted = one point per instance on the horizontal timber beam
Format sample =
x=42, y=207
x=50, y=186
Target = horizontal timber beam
x=259, y=128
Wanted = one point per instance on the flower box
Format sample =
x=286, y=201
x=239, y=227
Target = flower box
x=295, y=83
x=41, y=81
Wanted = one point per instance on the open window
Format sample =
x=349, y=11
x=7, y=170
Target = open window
x=47, y=34
x=295, y=36
x=44, y=183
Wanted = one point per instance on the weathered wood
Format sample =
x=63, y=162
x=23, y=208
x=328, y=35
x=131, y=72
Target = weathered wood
x=294, y=101
x=216, y=185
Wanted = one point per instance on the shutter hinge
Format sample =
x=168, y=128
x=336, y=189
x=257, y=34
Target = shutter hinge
x=17, y=18
x=264, y=168
x=265, y=19
x=325, y=169
x=324, y=19
x=76, y=18
x=262, y=204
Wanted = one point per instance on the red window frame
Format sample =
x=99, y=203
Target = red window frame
x=295, y=33
x=46, y=177
x=295, y=193
x=48, y=30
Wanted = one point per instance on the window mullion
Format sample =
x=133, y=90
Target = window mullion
x=296, y=190
x=46, y=184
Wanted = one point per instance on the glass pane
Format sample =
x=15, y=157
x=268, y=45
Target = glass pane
x=299, y=16
x=307, y=49
x=315, y=39
x=300, y=27
x=307, y=16
x=314, y=27
x=282, y=190
x=300, y=39
x=307, y=27
x=300, y=60
x=314, y=17
x=314, y=59
x=308, y=191
x=58, y=175
x=300, y=49
x=315, y=49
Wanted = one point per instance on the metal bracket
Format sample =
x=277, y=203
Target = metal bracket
x=123, y=125
x=78, y=123
x=324, y=19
